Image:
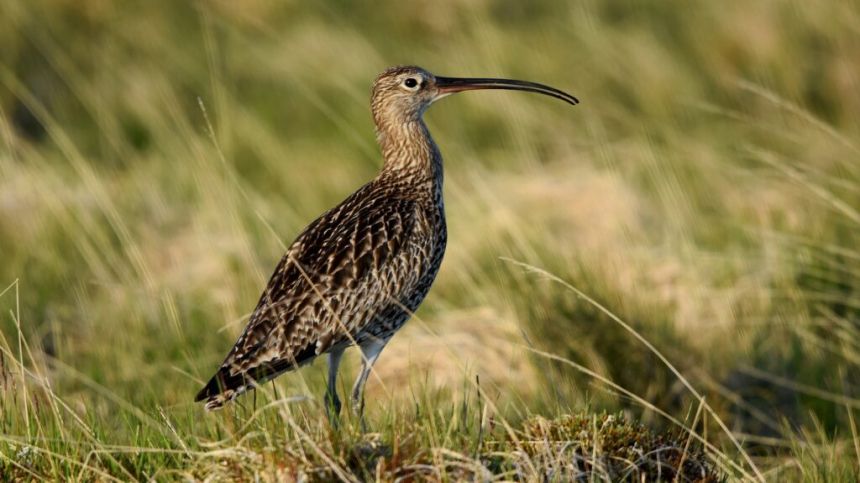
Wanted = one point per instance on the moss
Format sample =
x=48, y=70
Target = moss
x=607, y=447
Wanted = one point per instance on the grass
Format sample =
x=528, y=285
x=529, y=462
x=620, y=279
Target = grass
x=663, y=277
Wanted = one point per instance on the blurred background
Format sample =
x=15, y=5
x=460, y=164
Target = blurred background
x=157, y=156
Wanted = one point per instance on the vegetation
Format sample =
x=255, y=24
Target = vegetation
x=661, y=283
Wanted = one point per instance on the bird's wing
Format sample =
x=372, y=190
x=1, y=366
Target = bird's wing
x=331, y=278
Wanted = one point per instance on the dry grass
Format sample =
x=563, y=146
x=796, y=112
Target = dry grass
x=155, y=157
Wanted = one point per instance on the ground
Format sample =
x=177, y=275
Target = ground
x=668, y=269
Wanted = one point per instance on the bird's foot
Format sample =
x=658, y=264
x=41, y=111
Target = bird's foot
x=370, y=448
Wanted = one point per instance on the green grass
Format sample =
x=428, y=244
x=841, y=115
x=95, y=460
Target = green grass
x=679, y=251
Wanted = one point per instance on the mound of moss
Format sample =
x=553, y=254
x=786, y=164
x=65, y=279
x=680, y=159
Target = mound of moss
x=582, y=447
x=602, y=447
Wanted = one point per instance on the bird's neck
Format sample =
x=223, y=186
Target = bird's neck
x=409, y=154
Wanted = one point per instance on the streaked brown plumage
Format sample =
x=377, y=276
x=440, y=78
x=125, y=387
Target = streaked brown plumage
x=356, y=274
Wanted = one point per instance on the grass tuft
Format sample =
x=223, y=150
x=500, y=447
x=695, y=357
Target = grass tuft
x=696, y=315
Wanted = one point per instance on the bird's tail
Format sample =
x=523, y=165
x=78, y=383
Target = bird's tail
x=225, y=385
x=223, y=388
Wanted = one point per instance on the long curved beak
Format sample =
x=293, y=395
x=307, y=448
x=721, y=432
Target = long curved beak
x=450, y=85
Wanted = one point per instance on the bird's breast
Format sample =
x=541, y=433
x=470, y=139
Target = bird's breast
x=436, y=239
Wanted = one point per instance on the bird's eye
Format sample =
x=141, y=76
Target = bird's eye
x=410, y=82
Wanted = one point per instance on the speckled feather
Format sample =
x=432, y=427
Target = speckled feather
x=358, y=271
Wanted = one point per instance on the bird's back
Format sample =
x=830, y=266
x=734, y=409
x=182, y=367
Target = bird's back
x=357, y=271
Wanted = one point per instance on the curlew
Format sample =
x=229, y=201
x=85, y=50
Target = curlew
x=357, y=273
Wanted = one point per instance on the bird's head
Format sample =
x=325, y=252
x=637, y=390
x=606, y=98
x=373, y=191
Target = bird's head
x=403, y=93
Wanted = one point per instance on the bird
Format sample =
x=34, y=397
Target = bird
x=357, y=273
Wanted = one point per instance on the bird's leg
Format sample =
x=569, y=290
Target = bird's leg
x=370, y=351
x=332, y=402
